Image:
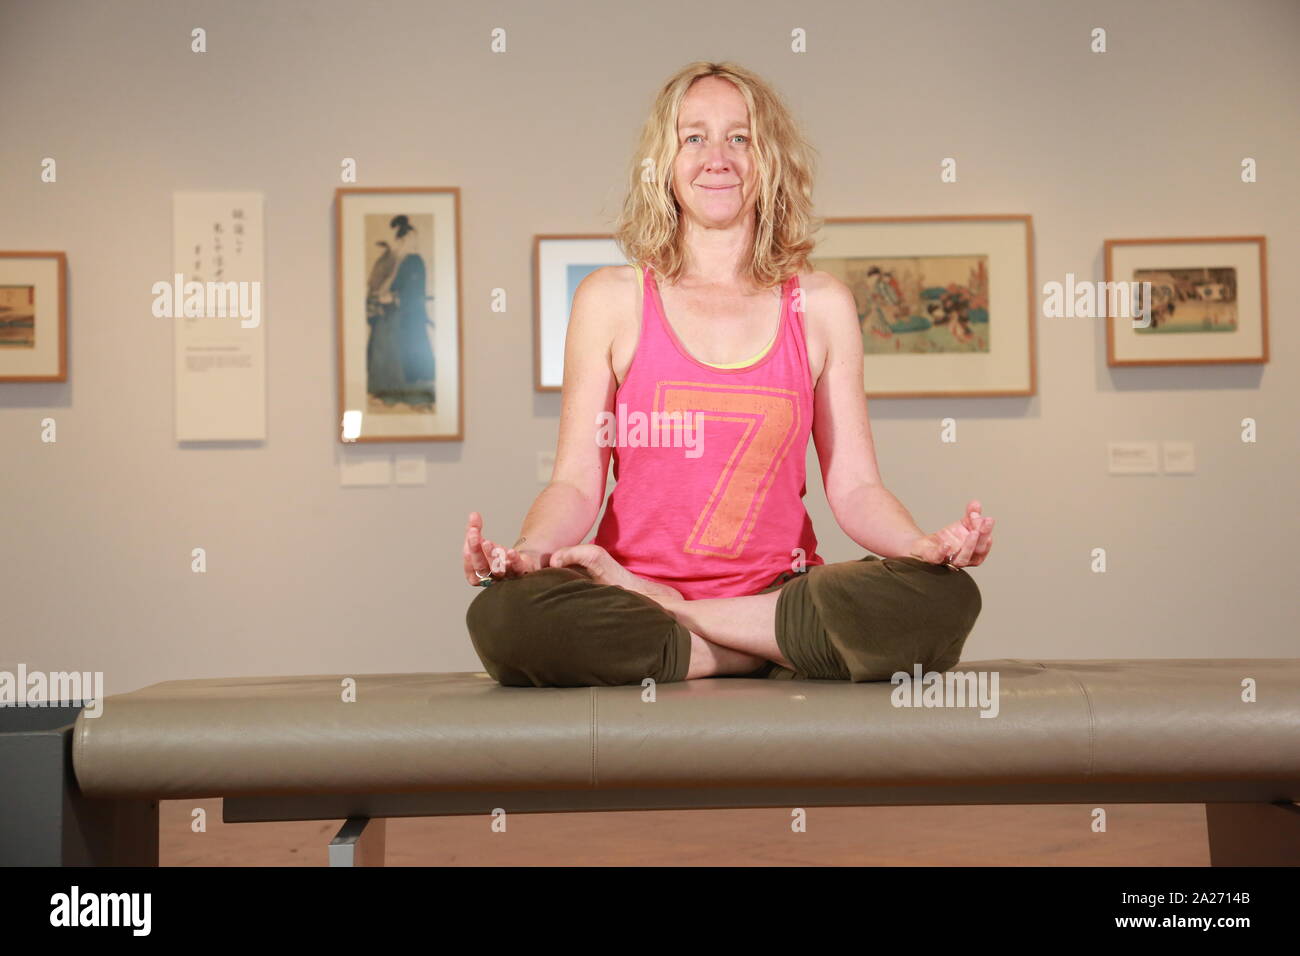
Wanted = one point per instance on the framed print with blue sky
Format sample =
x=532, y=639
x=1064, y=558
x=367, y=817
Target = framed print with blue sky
x=560, y=262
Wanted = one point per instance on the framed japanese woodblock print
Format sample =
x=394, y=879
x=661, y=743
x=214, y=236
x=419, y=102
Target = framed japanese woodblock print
x=1207, y=301
x=398, y=296
x=945, y=303
x=33, y=317
x=559, y=264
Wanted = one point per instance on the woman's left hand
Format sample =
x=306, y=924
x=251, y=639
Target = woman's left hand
x=963, y=543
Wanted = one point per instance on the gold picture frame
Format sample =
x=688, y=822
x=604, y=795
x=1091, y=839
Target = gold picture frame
x=398, y=302
x=33, y=316
x=946, y=303
x=1209, y=303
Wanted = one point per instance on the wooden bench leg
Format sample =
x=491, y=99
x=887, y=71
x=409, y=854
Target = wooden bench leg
x=359, y=842
x=1254, y=834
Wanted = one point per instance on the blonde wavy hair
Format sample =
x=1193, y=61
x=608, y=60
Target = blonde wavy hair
x=649, y=229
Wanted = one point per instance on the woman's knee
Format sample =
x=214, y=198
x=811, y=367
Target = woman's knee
x=885, y=616
x=513, y=616
x=947, y=604
x=559, y=628
x=947, y=593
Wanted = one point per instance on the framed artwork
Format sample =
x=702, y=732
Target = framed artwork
x=33, y=317
x=398, y=302
x=1208, y=301
x=945, y=303
x=559, y=264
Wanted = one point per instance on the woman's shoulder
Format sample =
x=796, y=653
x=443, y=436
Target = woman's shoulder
x=607, y=281
x=604, y=298
x=614, y=290
x=815, y=280
x=824, y=294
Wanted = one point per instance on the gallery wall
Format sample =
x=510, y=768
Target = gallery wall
x=307, y=577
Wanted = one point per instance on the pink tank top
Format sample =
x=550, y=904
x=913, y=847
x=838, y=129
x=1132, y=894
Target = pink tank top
x=710, y=461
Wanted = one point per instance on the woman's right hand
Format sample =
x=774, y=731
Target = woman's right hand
x=484, y=557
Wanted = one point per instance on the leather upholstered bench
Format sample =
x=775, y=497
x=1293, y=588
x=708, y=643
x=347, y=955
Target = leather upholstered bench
x=1225, y=733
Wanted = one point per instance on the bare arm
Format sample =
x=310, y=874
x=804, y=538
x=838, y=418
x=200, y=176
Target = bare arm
x=567, y=507
x=863, y=507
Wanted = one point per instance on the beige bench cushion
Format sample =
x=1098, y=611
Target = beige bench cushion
x=1058, y=722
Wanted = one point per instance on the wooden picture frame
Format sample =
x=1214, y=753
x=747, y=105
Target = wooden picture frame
x=1210, y=290
x=400, y=353
x=560, y=262
x=946, y=303
x=33, y=317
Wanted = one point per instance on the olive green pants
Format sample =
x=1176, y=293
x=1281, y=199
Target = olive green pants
x=855, y=620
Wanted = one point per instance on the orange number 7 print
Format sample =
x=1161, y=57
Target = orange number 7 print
x=771, y=418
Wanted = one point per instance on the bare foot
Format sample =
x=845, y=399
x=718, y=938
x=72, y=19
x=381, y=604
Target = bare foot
x=605, y=570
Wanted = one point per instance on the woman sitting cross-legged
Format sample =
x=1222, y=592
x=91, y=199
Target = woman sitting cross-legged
x=703, y=369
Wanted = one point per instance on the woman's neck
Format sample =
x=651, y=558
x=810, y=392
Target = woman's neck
x=716, y=257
